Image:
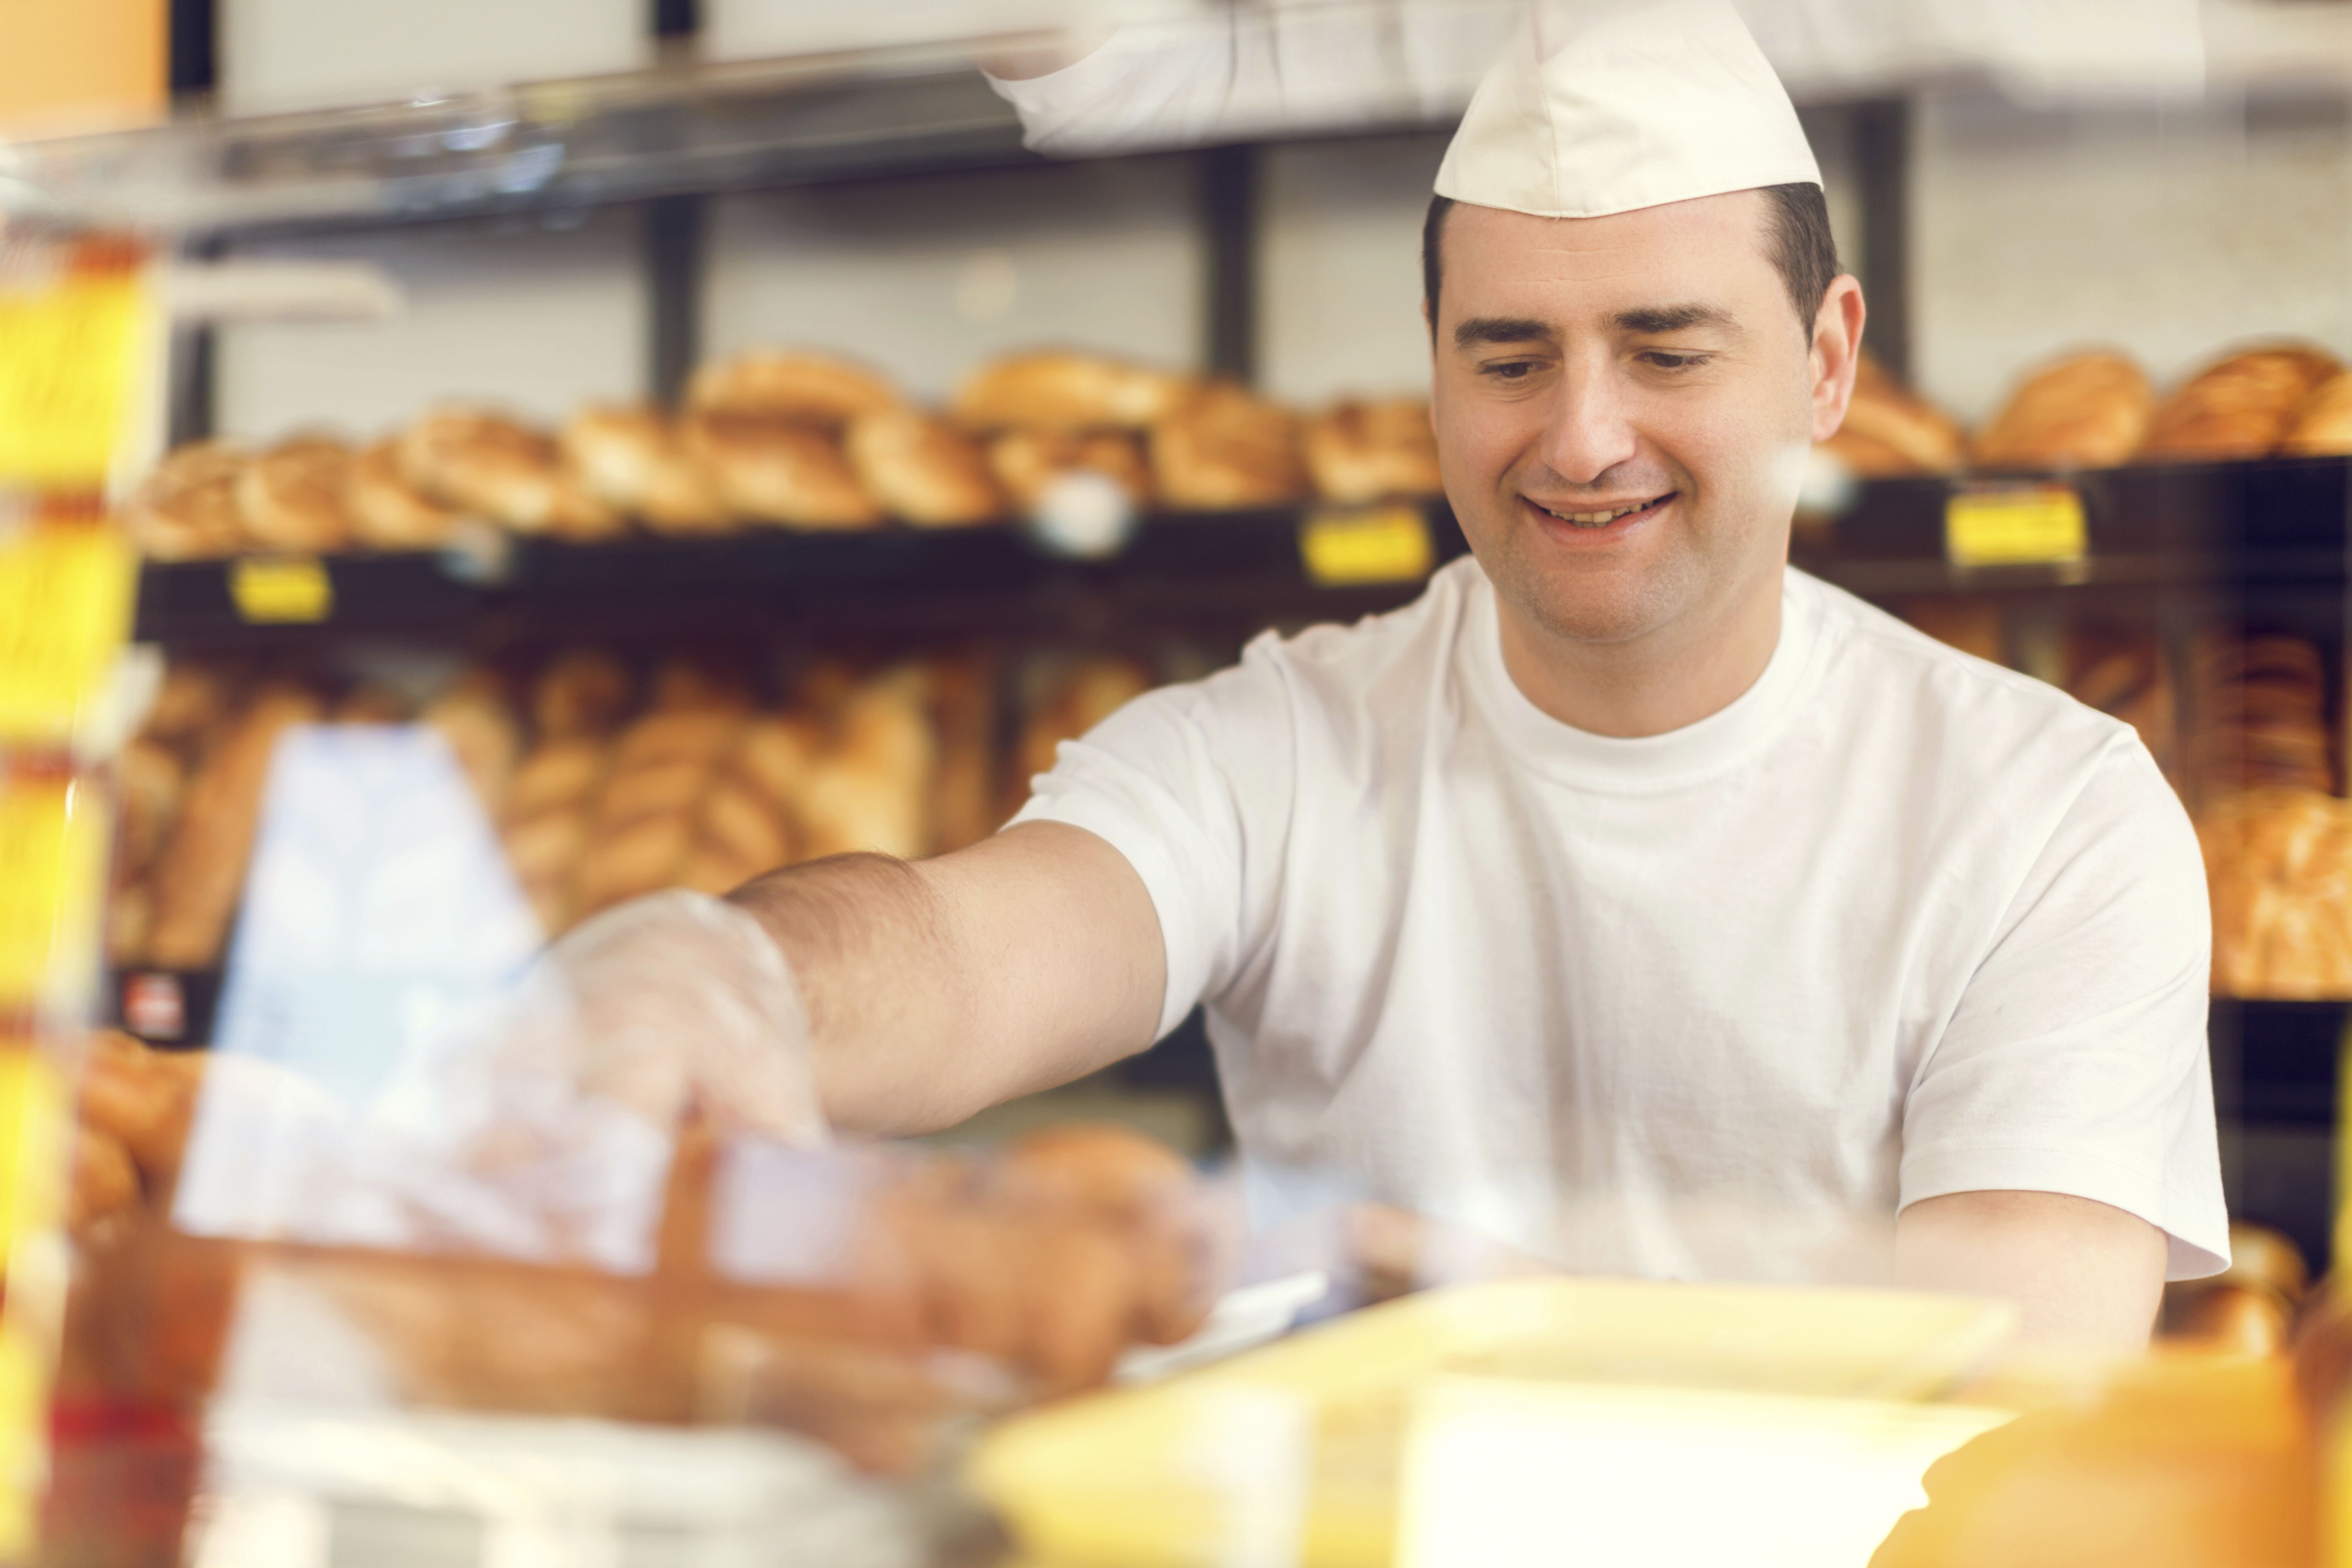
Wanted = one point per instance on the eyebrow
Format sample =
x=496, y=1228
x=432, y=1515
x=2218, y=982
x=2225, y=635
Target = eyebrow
x=1500, y=330
x=1672, y=319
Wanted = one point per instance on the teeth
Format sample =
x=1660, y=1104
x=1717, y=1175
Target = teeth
x=1596, y=519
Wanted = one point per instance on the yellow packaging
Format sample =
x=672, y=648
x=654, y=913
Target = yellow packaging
x=65, y=592
x=53, y=834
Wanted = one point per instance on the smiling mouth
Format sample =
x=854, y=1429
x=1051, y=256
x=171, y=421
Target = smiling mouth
x=1603, y=518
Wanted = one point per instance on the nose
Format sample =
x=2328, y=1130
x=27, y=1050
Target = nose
x=1588, y=432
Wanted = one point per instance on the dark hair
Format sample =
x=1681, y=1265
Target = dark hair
x=1802, y=247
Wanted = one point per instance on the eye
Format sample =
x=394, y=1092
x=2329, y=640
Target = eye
x=1510, y=369
x=1663, y=359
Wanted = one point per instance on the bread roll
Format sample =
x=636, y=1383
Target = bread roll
x=581, y=692
x=871, y=789
x=292, y=496
x=2086, y=411
x=1889, y=429
x=652, y=790
x=493, y=466
x=2240, y=406
x=795, y=387
x=1025, y=462
x=386, y=511
x=2322, y=425
x=632, y=460
x=2258, y=705
x=476, y=720
x=774, y=756
x=642, y=857
x=1067, y=392
x=150, y=779
x=923, y=469
x=186, y=509
x=777, y=471
x=1360, y=452
x=696, y=734
x=2278, y=863
x=1224, y=449
x=201, y=873
x=560, y=773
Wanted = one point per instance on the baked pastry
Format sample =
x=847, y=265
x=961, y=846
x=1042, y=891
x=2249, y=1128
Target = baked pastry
x=1367, y=451
x=490, y=465
x=2130, y=677
x=1890, y=430
x=2086, y=411
x=1058, y=391
x=2278, y=863
x=776, y=470
x=1226, y=448
x=186, y=509
x=796, y=388
x=1025, y=462
x=2322, y=425
x=582, y=692
x=871, y=788
x=2261, y=715
x=631, y=460
x=389, y=512
x=201, y=873
x=2240, y=406
x=922, y=469
x=291, y=497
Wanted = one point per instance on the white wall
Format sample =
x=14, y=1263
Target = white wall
x=927, y=277
x=281, y=55
x=536, y=318
x=1339, y=273
x=2169, y=233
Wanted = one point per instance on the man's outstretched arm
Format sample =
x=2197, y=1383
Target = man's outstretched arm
x=2081, y=1273
x=937, y=988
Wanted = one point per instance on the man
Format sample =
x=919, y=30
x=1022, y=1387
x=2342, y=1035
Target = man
x=1630, y=897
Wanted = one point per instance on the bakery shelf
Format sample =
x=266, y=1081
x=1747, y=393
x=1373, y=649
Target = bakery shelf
x=1227, y=569
x=2275, y=520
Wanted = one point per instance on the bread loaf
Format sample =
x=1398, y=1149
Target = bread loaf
x=794, y=388
x=775, y=470
x=1025, y=462
x=1889, y=429
x=2278, y=864
x=2261, y=716
x=631, y=460
x=186, y=509
x=1225, y=449
x=387, y=511
x=871, y=789
x=2086, y=411
x=581, y=692
x=923, y=469
x=2321, y=425
x=201, y=873
x=486, y=464
x=1068, y=392
x=2240, y=406
x=292, y=496
x=1360, y=452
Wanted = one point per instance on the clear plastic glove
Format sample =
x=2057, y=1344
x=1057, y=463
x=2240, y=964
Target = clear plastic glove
x=670, y=1003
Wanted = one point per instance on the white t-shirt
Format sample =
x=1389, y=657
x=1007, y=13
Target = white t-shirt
x=1711, y=1004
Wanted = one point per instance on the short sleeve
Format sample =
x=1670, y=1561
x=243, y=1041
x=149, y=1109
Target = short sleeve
x=1192, y=783
x=2075, y=1061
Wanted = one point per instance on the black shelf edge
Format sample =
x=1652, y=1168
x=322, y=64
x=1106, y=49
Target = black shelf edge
x=1225, y=567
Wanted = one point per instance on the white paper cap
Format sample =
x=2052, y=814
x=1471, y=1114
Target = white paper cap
x=1652, y=104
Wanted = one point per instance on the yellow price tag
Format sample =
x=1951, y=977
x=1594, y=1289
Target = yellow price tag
x=287, y=589
x=65, y=609
x=71, y=345
x=1383, y=545
x=52, y=843
x=2037, y=524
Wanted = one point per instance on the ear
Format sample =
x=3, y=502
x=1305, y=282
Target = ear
x=1836, y=353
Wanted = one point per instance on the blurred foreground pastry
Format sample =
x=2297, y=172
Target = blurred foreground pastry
x=776, y=470
x=800, y=388
x=186, y=509
x=389, y=512
x=482, y=462
x=293, y=497
x=2240, y=406
x=632, y=460
x=2086, y=411
x=1359, y=451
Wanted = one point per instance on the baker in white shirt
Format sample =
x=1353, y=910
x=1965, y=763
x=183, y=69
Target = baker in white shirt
x=1629, y=898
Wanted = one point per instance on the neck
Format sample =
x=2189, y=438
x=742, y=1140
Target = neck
x=1662, y=681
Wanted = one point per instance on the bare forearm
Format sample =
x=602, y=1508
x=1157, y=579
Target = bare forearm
x=935, y=989
x=2081, y=1273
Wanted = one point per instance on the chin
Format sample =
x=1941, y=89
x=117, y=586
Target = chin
x=1590, y=607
